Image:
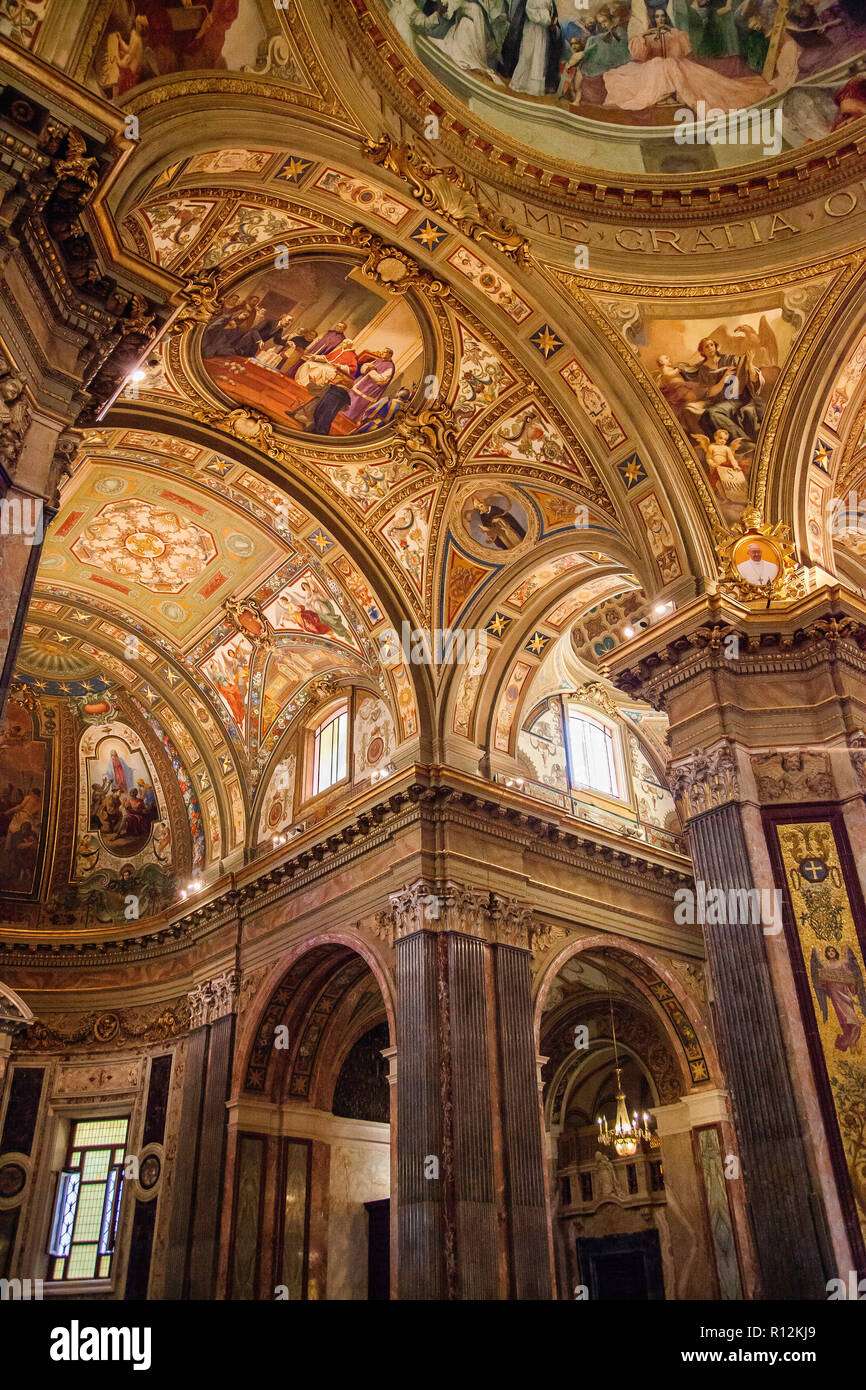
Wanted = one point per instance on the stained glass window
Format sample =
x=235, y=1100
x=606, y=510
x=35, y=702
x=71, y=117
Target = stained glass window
x=87, y=1206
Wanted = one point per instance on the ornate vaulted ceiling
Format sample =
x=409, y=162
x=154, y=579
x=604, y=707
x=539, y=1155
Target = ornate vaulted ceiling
x=541, y=292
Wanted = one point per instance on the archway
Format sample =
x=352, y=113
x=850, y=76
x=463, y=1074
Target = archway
x=309, y=1162
x=657, y=1222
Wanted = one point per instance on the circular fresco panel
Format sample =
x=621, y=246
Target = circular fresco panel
x=317, y=348
x=493, y=520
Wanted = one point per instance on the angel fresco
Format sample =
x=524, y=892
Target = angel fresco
x=728, y=474
x=841, y=982
x=303, y=606
x=107, y=893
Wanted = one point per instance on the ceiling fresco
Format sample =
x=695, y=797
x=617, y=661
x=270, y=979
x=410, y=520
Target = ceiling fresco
x=642, y=86
x=486, y=397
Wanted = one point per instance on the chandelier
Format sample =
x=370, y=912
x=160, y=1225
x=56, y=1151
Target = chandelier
x=626, y=1133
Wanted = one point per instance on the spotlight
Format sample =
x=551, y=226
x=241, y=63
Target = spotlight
x=628, y=631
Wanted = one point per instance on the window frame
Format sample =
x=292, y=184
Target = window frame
x=110, y=1215
x=579, y=713
x=325, y=717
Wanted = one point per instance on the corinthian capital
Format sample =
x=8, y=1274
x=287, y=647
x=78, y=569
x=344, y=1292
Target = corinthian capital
x=213, y=999
x=706, y=779
x=511, y=921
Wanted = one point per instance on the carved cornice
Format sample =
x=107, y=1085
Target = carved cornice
x=720, y=635
x=45, y=221
x=334, y=845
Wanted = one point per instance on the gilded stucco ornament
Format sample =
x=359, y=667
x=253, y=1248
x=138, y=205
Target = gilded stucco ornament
x=199, y=299
x=451, y=194
x=756, y=562
x=428, y=439
x=246, y=425
x=593, y=692
x=392, y=269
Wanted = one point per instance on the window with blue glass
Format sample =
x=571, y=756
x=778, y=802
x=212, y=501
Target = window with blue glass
x=87, y=1205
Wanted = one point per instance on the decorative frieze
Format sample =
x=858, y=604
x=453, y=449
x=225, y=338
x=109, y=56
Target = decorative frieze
x=793, y=775
x=857, y=745
x=100, y=1078
x=213, y=999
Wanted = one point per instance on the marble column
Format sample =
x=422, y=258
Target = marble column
x=472, y=1217
x=766, y=711
x=702, y=1185
x=198, y=1183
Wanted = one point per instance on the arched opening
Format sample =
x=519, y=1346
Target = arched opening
x=310, y=1146
x=654, y=1221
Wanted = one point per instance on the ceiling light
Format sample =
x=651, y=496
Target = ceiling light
x=628, y=631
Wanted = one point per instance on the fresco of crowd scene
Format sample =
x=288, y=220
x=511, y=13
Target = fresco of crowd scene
x=636, y=57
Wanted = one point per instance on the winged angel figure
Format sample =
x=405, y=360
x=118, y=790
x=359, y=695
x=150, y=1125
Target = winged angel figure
x=109, y=892
x=841, y=982
x=728, y=472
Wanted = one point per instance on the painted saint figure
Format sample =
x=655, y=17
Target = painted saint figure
x=840, y=982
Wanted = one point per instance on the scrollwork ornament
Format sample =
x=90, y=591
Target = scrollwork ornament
x=428, y=439
x=394, y=270
x=448, y=192
x=199, y=299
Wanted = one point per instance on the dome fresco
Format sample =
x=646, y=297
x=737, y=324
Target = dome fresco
x=634, y=86
x=432, y=676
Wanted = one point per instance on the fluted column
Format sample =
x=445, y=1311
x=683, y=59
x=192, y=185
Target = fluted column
x=767, y=710
x=471, y=1206
x=198, y=1184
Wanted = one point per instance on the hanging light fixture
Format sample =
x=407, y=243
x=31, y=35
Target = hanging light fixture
x=626, y=1133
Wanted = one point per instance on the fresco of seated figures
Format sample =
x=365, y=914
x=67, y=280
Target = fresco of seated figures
x=623, y=84
x=316, y=348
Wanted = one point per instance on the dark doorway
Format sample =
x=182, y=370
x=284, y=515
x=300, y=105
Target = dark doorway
x=379, y=1251
x=624, y=1269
